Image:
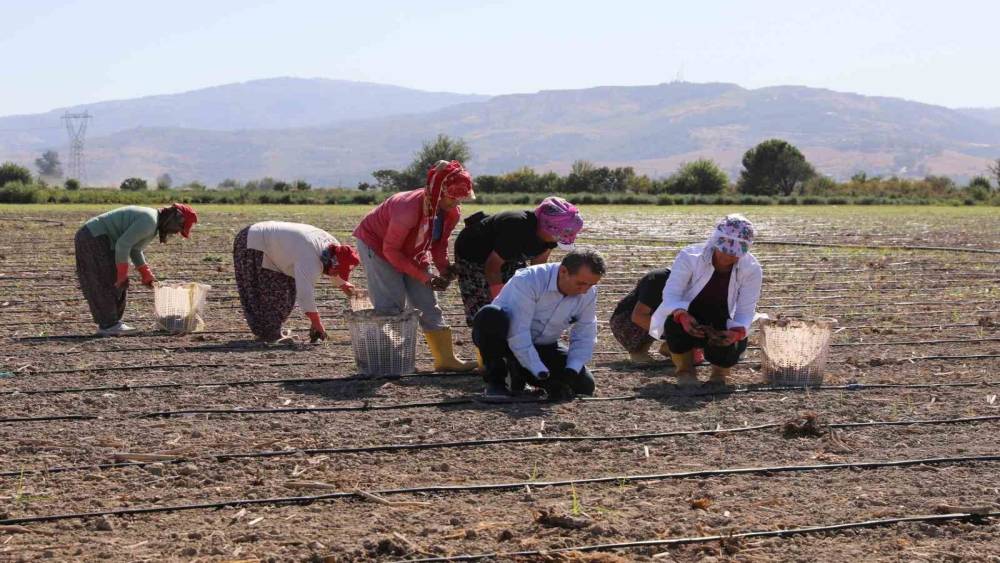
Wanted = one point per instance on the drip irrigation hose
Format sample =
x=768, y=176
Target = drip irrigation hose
x=457, y=444
x=367, y=406
x=670, y=542
x=475, y=488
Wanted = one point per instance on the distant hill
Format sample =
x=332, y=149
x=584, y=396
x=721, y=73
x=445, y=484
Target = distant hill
x=653, y=128
x=258, y=104
x=989, y=115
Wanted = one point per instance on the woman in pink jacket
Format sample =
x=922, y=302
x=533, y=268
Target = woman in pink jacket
x=400, y=238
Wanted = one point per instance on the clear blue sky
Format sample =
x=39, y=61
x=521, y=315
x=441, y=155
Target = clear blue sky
x=56, y=53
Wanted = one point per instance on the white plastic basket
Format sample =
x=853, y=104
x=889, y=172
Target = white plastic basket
x=384, y=345
x=794, y=350
x=179, y=306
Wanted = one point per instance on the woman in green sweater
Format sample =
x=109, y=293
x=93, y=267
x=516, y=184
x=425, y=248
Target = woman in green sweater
x=107, y=243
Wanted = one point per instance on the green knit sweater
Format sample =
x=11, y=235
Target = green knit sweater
x=130, y=230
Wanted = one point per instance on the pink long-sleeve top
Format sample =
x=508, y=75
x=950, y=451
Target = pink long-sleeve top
x=391, y=231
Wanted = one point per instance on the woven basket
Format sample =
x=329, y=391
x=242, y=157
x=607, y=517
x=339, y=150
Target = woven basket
x=794, y=350
x=179, y=306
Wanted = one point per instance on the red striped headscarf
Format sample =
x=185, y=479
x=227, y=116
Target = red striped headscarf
x=443, y=179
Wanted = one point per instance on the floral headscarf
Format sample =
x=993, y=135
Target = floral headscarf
x=733, y=235
x=443, y=179
x=341, y=259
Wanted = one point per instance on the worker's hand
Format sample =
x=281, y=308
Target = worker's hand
x=570, y=374
x=438, y=283
x=734, y=335
x=121, y=276
x=450, y=272
x=688, y=323
x=316, y=330
x=317, y=334
x=348, y=289
x=148, y=279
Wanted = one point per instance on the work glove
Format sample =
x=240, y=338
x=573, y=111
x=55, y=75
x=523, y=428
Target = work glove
x=734, y=335
x=316, y=331
x=148, y=279
x=122, y=275
x=348, y=289
x=688, y=323
x=495, y=289
x=438, y=283
x=570, y=374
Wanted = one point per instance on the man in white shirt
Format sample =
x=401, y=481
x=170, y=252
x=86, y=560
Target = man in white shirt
x=518, y=334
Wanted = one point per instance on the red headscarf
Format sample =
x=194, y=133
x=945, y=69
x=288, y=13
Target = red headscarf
x=443, y=179
x=342, y=258
x=190, y=218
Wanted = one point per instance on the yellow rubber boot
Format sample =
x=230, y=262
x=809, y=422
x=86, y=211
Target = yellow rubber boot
x=719, y=375
x=480, y=364
x=439, y=341
x=684, y=369
x=641, y=356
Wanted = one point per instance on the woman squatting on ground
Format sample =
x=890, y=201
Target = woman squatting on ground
x=491, y=248
x=400, y=238
x=277, y=265
x=709, y=301
x=107, y=243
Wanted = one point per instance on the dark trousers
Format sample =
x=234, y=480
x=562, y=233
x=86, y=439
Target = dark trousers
x=680, y=342
x=95, y=268
x=489, y=333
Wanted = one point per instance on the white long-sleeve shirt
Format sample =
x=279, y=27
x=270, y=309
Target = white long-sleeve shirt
x=690, y=273
x=539, y=313
x=294, y=249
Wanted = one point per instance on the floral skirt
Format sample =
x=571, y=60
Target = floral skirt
x=95, y=269
x=472, y=283
x=267, y=297
x=630, y=335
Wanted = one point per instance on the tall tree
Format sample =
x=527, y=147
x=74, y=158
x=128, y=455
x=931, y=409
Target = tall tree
x=774, y=167
x=441, y=148
x=164, y=181
x=48, y=164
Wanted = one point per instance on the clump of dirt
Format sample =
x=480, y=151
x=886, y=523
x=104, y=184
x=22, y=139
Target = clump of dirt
x=806, y=425
x=987, y=321
x=552, y=519
x=715, y=337
x=701, y=503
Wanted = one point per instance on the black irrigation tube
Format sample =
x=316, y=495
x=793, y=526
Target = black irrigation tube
x=367, y=406
x=474, y=488
x=670, y=542
x=243, y=348
x=221, y=457
x=177, y=366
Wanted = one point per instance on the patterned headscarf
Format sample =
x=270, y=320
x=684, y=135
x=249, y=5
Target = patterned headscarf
x=560, y=219
x=340, y=258
x=443, y=179
x=190, y=218
x=733, y=235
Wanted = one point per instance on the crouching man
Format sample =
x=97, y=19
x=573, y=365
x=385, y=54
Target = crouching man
x=518, y=334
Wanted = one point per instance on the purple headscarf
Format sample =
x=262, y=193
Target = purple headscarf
x=559, y=218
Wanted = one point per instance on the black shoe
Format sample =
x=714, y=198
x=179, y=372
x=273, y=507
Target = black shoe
x=561, y=393
x=496, y=393
x=516, y=380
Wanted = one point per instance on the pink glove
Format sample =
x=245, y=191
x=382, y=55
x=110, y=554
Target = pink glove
x=148, y=279
x=122, y=275
x=734, y=335
x=688, y=323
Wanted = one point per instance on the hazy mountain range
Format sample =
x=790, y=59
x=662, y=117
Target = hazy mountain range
x=335, y=132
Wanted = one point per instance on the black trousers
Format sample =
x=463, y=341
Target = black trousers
x=680, y=342
x=489, y=333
